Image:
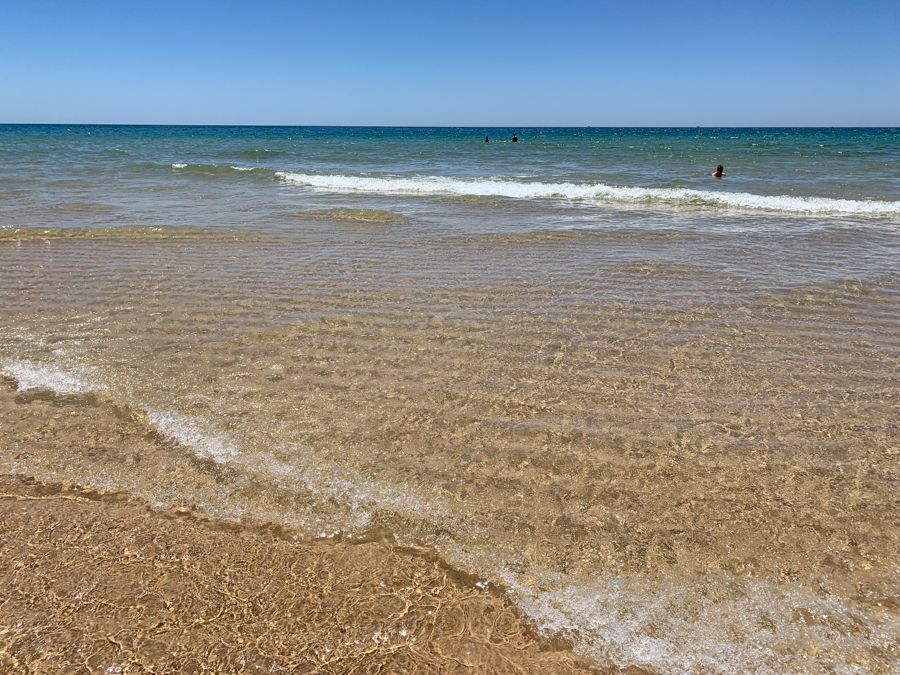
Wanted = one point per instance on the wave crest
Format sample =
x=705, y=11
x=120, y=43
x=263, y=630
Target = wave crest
x=216, y=169
x=479, y=187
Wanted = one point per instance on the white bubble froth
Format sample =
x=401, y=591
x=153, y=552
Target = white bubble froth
x=427, y=185
x=719, y=624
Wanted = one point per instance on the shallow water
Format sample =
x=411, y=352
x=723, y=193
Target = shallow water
x=665, y=422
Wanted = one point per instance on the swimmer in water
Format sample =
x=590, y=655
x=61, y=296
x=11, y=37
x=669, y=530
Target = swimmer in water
x=720, y=172
x=487, y=140
x=515, y=139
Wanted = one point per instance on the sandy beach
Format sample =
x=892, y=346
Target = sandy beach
x=269, y=396
x=95, y=583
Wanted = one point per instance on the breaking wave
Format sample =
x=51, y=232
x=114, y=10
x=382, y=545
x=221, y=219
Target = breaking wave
x=481, y=187
x=217, y=169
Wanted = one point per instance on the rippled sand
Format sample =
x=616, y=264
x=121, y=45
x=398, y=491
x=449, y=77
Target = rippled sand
x=91, y=582
x=672, y=464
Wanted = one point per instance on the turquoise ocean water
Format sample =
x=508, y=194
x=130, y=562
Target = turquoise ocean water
x=836, y=171
x=658, y=409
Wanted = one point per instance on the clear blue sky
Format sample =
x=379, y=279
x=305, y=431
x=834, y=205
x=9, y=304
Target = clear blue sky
x=601, y=63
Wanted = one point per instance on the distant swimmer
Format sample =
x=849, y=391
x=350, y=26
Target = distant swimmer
x=720, y=172
x=487, y=140
x=515, y=139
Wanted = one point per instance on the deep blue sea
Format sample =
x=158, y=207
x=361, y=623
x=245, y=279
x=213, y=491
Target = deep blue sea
x=655, y=408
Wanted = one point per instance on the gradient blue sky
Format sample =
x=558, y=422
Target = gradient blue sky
x=650, y=63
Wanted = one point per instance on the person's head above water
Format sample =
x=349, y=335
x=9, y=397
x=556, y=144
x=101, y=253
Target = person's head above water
x=720, y=171
x=487, y=140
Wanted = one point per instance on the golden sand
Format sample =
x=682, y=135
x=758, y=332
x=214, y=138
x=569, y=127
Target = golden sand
x=97, y=583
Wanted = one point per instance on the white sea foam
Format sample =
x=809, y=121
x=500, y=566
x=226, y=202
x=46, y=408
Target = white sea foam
x=363, y=496
x=31, y=375
x=720, y=624
x=214, y=168
x=217, y=446
x=439, y=185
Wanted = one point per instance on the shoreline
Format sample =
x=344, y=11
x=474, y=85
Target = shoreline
x=100, y=582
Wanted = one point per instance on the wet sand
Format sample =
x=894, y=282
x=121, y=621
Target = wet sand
x=98, y=583
x=664, y=420
x=667, y=466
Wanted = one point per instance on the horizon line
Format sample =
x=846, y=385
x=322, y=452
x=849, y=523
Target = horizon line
x=433, y=126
